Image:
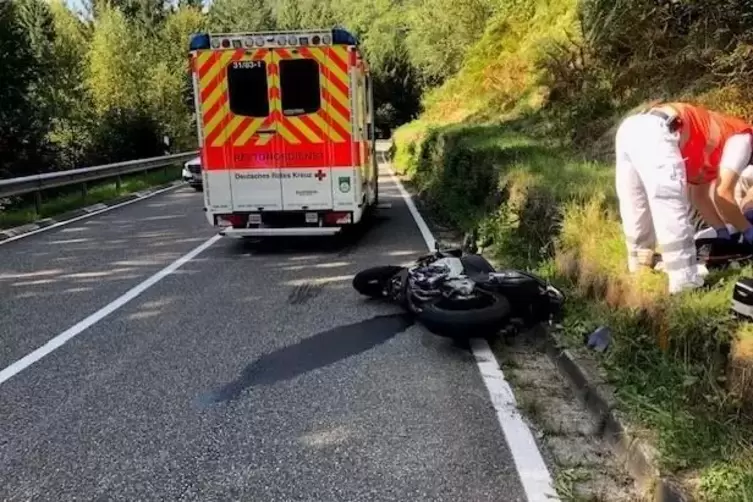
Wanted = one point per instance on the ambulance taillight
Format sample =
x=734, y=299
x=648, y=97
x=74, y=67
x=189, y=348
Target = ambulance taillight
x=230, y=220
x=338, y=218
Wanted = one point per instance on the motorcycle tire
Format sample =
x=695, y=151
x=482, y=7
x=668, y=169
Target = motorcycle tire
x=452, y=318
x=371, y=282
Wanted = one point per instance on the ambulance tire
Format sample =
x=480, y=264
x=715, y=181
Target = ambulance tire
x=451, y=319
x=369, y=216
x=371, y=282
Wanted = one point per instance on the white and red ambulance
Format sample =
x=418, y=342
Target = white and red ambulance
x=286, y=131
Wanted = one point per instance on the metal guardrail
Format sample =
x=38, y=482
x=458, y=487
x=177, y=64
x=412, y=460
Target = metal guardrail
x=39, y=182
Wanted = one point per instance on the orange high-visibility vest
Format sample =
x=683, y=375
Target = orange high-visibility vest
x=703, y=134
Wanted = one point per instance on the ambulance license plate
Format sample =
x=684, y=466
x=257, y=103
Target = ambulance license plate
x=312, y=218
x=254, y=219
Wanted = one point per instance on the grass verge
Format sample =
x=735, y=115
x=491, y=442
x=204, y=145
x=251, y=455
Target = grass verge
x=681, y=365
x=24, y=211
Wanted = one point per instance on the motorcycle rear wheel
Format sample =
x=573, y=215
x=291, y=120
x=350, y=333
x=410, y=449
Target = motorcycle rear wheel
x=372, y=281
x=485, y=315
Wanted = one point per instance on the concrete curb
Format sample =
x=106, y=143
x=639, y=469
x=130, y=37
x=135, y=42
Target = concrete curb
x=597, y=397
x=76, y=213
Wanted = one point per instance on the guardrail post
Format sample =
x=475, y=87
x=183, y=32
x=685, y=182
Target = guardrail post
x=118, y=184
x=38, y=202
x=83, y=189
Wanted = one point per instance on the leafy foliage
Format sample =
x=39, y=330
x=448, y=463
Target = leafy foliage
x=67, y=73
x=104, y=84
x=22, y=109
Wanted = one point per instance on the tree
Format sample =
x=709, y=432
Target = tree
x=149, y=14
x=442, y=31
x=73, y=118
x=122, y=63
x=240, y=15
x=118, y=61
x=170, y=91
x=22, y=126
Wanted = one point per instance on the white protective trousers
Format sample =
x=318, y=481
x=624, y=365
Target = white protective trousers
x=652, y=190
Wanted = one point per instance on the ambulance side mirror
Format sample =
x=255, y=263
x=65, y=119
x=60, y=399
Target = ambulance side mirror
x=370, y=131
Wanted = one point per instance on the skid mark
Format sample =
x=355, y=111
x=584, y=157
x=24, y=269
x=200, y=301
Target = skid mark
x=304, y=292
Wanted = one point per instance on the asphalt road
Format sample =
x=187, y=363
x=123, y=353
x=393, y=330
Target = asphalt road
x=252, y=373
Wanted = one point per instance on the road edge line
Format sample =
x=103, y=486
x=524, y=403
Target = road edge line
x=45, y=224
x=529, y=463
x=60, y=339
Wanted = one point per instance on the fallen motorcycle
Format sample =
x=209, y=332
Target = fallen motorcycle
x=455, y=294
x=720, y=253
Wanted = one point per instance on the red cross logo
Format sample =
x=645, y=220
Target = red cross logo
x=320, y=175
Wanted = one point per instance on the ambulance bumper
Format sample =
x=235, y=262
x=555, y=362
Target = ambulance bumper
x=280, y=232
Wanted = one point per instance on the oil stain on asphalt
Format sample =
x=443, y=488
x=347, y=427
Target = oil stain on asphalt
x=318, y=351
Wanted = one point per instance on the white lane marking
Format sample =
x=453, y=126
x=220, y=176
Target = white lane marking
x=531, y=468
x=422, y=226
x=88, y=215
x=532, y=471
x=108, y=309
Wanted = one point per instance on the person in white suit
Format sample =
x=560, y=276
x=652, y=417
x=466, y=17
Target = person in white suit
x=670, y=158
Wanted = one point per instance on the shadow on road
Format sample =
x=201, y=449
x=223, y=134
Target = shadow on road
x=312, y=353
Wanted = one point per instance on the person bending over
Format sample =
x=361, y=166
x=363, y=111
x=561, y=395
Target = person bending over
x=667, y=158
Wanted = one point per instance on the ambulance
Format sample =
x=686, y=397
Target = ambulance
x=285, y=125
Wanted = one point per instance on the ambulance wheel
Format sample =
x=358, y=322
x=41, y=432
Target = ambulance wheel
x=369, y=215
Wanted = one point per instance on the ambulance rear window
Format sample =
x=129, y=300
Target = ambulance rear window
x=299, y=86
x=247, y=88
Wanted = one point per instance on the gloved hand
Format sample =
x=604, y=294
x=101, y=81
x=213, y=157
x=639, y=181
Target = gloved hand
x=723, y=233
x=748, y=236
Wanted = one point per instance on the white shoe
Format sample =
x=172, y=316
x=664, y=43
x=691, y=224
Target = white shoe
x=703, y=272
x=696, y=283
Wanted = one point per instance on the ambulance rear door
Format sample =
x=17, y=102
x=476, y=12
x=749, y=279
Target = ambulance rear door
x=305, y=138
x=251, y=132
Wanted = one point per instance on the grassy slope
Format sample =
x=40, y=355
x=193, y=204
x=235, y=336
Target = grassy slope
x=478, y=158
